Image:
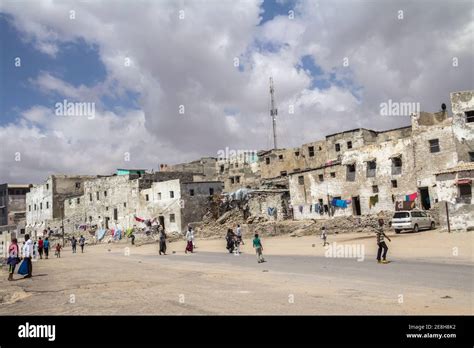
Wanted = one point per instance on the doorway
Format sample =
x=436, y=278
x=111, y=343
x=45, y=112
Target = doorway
x=425, y=198
x=356, y=206
x=161, y=219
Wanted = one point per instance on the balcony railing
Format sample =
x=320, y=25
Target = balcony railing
x=370, y=173
x=350, y=176
x=464, y=199
x=396, y=170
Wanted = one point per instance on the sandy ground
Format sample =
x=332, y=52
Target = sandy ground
x=431, y=273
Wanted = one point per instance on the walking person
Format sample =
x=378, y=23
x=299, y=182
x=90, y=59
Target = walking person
x=82, y=242
x=257, y=244
x=13, y=258
x=189, y=240
x=28, y=254
x=46, y=247
x=230, y=240
x=35, y=251
x=58, y=250
x=324, y=236
x=381, y=258
x=40, y=247
x=73, y=244
x=239, y=235
x=162, y=236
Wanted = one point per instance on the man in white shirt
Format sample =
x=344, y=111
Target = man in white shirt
x=28, y=254
x=239, y=235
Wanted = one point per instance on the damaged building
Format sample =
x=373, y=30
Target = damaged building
x=367, y=171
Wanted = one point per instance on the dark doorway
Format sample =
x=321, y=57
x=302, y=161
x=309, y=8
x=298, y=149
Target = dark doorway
x=161, y=219
x=425, y=198
x=356, y=205
x=107, y=222
x=115, y=214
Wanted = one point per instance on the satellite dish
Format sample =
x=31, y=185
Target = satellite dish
x=443, y=107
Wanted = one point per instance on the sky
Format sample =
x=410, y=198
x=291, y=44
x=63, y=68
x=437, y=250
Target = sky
x=173, y=81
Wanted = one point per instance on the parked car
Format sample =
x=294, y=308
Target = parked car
x=413, y=220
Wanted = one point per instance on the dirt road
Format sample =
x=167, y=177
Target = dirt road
x=296, y=279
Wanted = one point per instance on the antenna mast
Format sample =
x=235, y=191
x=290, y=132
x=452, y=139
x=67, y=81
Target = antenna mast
x=273, y=113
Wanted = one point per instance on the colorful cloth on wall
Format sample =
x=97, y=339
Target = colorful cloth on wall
x=101, y=234
x=139, y=219
x=411, y=198
x=404, y=205
x=340, y=203
x=128, y=231
x=373, y=200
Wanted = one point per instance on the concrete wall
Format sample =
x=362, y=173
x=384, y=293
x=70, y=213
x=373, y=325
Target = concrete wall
x=463, y=131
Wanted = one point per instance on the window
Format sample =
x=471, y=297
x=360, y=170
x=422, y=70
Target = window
x=70, y=201
x=297, y=153
x=97, y=195
x=106, y=208
x=35, y=207
x=237, y=179
x=105, y=193
x=222, y=168
x=396, y=165
x=321, y=177
x=283, y=173
x=301, y=180
x=211, y=191
x=471, y=156
x=349, y=144
x=351, y=171
x=47, y=205
x=124, y=204
x=394, y=184
x=338, y=147
x=78, y=185
x=333, y=174
x=78, y=200
x=191, y=192
x=465, y=193
x=267, y=160
x=232, y=180
x=236, y=165
x=434, y=145
x=371, y=169
x=469, y=116
x=311, y=151
x=280, y=157
x=147, y=198
x=29, y=207
x=171, y=194
x=90, y=197
x=47, y=186
x=172, y=218
x=375, y=189
x=41, y=206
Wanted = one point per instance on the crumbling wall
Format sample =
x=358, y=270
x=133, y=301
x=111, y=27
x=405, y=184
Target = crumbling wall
x=461, y=216
x=462, y=102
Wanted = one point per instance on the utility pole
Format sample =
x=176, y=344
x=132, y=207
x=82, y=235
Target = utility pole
x=273, y=113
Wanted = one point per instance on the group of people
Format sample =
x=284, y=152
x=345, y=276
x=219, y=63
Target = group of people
x=234, y=240
x=34, y=250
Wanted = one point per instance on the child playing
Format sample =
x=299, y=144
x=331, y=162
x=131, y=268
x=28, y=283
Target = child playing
x=324, y=236
x=257, y=244
x=58, y=250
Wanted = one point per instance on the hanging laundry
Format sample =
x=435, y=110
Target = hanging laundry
x=316, y=208
x=129, y=231
x=373, y=200
x=340, y=203
x=412, y=197
x=300, y=208
x=271, y=211
x=101, y=234
x=139, y=219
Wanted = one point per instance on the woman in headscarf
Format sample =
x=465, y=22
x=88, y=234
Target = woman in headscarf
x=13, y=258
x=162, y=236
x=189, y=239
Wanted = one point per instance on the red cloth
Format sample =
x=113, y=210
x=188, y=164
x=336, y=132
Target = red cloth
x=40, y=244
x=139, y=219
x=412, y=197
x=189, y=246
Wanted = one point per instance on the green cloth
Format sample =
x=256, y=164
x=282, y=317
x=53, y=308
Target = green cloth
x=257, y=243
x=373, y=200
x=128, y=232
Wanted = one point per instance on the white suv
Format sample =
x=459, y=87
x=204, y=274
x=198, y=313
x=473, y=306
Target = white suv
x=413, y=220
